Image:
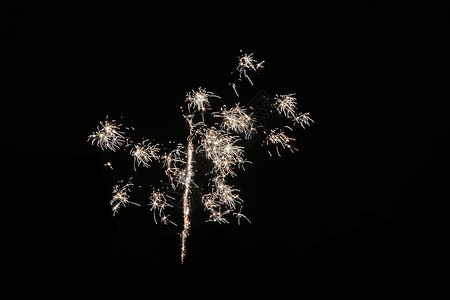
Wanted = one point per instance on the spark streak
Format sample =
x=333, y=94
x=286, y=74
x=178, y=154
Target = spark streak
x=186, y=201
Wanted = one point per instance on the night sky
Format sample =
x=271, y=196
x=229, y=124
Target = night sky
x=351, y=213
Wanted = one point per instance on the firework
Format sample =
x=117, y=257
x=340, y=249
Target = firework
x=217, y=144
x=226, y=194
x=121, y=195
x=286, y=105
x=217, y=216
x=143, y=153
x=237, y=119
x=239, y=215
x=278, y=137
x=186, y=201
x=302, y=119
x=247, y=63
x=220, y=148
x=199, y=100
x=222, y=197
x=108, y=136
x=174, y=163
x=158, y=204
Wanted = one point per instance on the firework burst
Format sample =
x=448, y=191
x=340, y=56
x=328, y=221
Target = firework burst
x=246, y=64
x=108, y=136
x=216, y=144
x=199, y=100
x=237, y=119
x=158, y=204
x=303, y=119
x=278, y=137
x=121, y=195
x=221, y=150
x=144, y=153
x=286, y=105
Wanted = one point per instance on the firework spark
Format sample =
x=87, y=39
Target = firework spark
x=199, y=100
x=247, y=63
x=222, y=197
x=173, y=163
x=158, y=203
x=302, y=119
x=108, y=136
x=121, y=195
x=278, y=137
x=237, y=119
x=286, y=105
x=186, y=201
x=220, y=148
x=217, y=216
x=143, y=153
x=239, y=215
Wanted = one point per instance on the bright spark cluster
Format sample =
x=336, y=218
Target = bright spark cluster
x=278, y=137
x=247, y=63
x=121, y=196
x=174, y=163
x=287, y=105
x=222, y=200
x=144, y=153
x=220, y=148
x=108, y=136
x=216, y=143
x=237, y=119
x=199, y=100
x=158, y=204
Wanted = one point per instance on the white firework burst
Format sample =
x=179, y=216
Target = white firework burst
x=108, y=136
x=174, y=163
x=217, y=145
x=199, y=100
x=158, y=204
x=144, y=153
x=237, y=119
x=286, y=105
x=217, y=216
x=121, y=195
x=220, y=148
x=278, y=137
x=302, y=119
x=247, y=63
x=226, y=194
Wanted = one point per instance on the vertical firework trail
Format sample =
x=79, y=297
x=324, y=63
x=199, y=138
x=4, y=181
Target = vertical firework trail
x=186, y=201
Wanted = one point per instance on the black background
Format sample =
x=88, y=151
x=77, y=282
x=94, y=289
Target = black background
x=353, y=212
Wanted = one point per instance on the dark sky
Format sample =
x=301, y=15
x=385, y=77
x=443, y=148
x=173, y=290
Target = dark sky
x=371, y=75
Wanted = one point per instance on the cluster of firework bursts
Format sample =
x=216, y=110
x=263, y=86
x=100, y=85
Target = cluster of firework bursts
x=217, y=143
